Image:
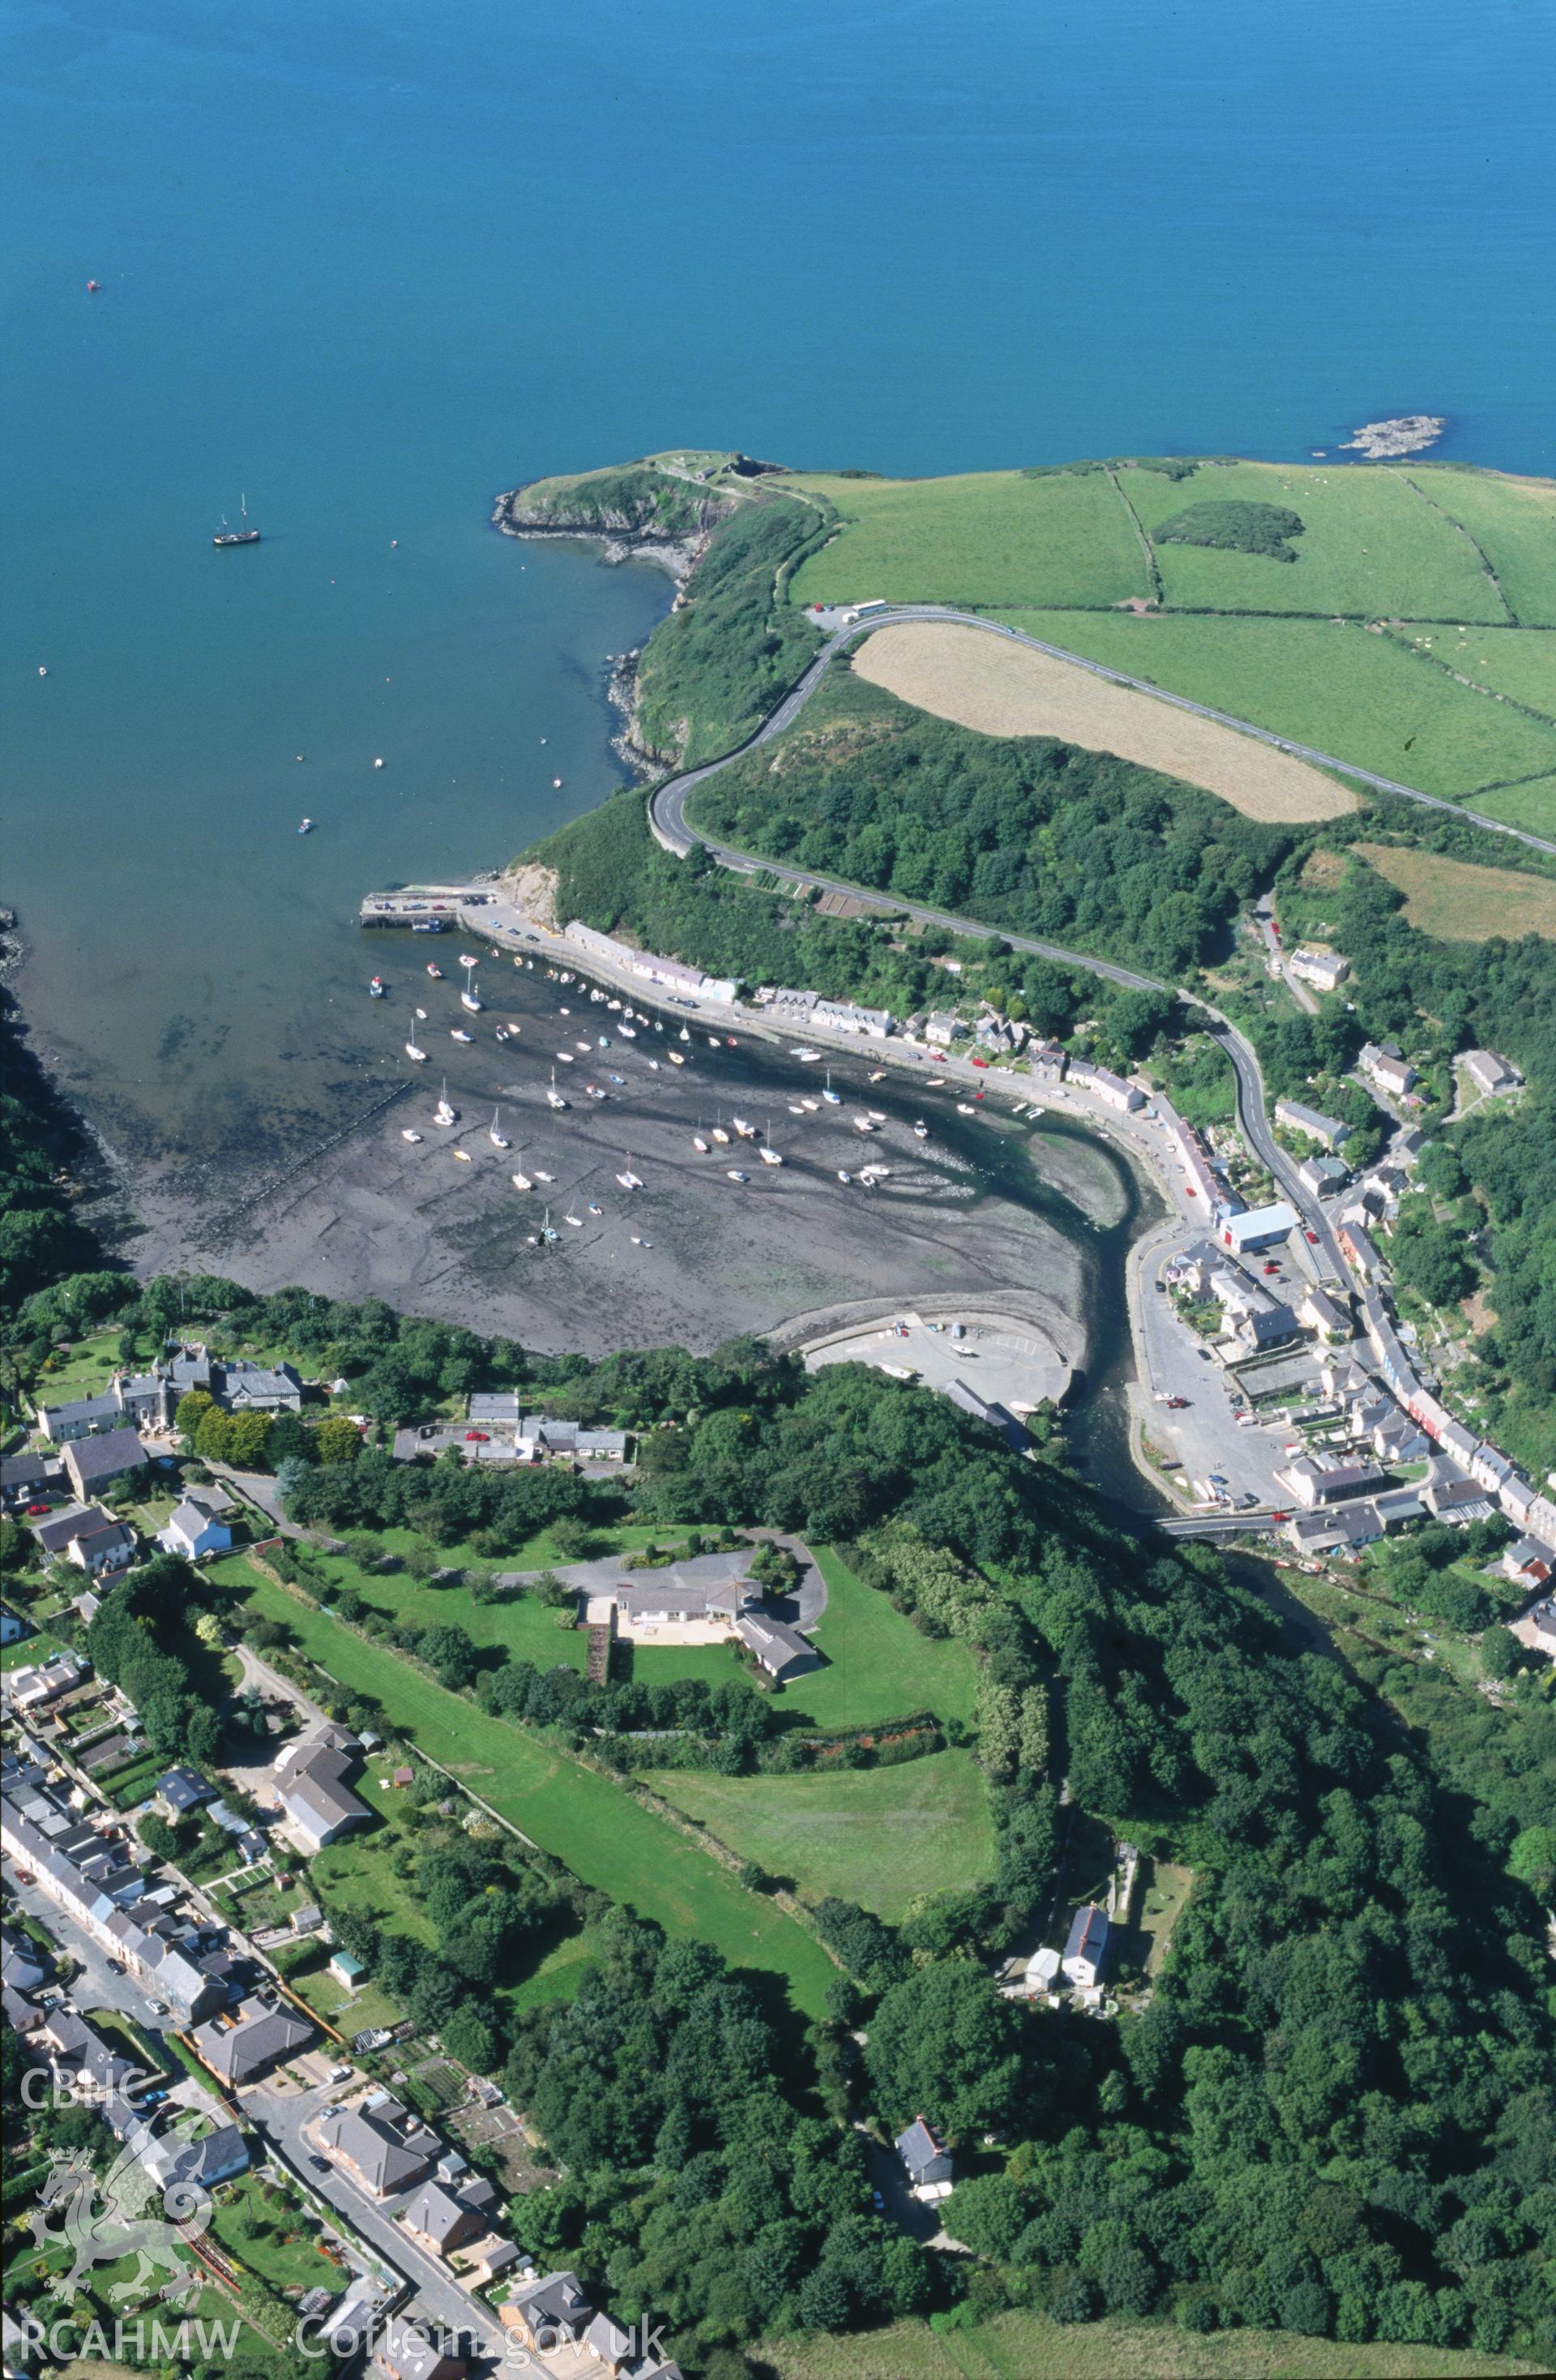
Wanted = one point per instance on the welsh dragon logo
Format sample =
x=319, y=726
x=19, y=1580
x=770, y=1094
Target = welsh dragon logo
x=102, y=2221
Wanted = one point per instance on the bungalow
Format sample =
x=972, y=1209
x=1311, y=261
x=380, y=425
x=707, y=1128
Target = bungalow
x=775, y=1646
x=23, y=1476
x=175, y=2162
x=925, y=2158
x=1086, y=1947
x=261, y=2038
x=1346, y=1525
x=310, y=1779
x=1491, y=1075
x=94, y=1463
x=380, y=2143
x=182, y=1790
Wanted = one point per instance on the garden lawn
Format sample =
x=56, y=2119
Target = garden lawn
x=1371, y=545
x=990, y=537
x=877, y=1836
x=1516, y=661
x=29, y=1650
x=266, y=2230
x=348, y=2012
x=879, y=1666
x=1332, y=685
x=86, y=1371
x=358, y=1873
x=1514, y=522
x=525, y=1627
x=592, y=1826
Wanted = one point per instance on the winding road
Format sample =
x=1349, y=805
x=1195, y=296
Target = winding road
x=673, y=829
x=668, y=807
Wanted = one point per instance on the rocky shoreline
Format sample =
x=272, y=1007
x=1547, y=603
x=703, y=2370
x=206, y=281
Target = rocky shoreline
x=619, y=539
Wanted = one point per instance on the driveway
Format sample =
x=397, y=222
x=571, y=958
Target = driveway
x=279, y=2120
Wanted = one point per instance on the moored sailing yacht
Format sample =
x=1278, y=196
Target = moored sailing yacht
x=467, y=996
x=553, y=1097
x=497, y=1138
x=627, y=1178
x=243, y=536
x=442, y=1114
x=411, y=1051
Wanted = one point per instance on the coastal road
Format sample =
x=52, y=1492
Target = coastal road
x=667, y=805
x=667, y=812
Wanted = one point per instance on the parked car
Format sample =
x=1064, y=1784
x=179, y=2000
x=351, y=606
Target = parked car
x=476, y=1436
x=36, y=1512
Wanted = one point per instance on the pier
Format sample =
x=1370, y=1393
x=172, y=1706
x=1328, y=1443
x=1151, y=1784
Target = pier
x=428, y=905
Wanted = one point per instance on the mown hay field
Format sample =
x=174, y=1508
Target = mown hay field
x=1461, y=904
x=1026, y=2346
x=877, y=1836
x=1516, y=661
x=1514, y=522
x=1001, y=689
x=1334, y=684
x=1370, y=545
x=987, y=537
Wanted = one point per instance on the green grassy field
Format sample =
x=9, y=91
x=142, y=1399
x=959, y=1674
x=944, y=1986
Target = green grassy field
x=1514, y=522
x=877, y=1836
x=880, y=1665
x=1339, y=687
x=1370, y=544
x=597, y=1829
x=990, y=537
x=1531, y=804
x=1027, y=2347
x=1516, y=661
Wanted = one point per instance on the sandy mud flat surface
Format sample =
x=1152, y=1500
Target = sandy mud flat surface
x=691, y=1258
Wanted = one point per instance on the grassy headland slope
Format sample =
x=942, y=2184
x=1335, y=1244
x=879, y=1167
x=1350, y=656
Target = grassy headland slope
x=992, y=536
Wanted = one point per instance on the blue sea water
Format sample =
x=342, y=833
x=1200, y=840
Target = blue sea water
x=368, y=264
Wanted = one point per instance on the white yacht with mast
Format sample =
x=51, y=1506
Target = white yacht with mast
x=553, y=1097
x=498, y=1139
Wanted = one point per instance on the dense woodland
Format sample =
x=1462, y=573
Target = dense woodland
x=1025, y=831
x=1234, y=527
x=43, y=1153
x=1336, y=2114
x=713, y=669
